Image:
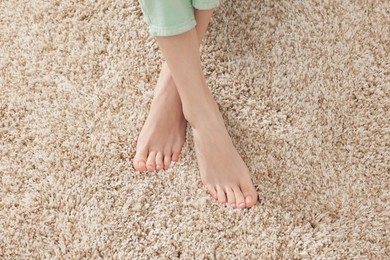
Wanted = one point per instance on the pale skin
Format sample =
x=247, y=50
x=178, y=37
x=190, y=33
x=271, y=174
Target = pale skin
x=182, y=95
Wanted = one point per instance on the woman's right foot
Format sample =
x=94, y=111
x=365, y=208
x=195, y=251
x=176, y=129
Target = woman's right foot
x=222, y=170
x=163, y=134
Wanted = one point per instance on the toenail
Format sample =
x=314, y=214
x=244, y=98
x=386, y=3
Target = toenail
x=248, y=199
x=172, y=164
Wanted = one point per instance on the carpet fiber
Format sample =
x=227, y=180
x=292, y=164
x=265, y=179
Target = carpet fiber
x=303, y=87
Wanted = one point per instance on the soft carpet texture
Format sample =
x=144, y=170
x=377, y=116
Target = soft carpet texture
x=303, y=87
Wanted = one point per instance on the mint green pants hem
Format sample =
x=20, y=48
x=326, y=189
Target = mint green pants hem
x=172, y=30
x=172, y=17
x=205, y=5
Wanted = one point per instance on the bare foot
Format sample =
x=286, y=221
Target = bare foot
x=222, y=170
x=163, y=134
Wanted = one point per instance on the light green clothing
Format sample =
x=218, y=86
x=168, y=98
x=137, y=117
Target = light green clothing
x=172, y=17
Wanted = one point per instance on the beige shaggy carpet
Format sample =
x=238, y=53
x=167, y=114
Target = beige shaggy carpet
x=303, y=86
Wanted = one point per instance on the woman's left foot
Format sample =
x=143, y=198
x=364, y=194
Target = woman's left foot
x=163, y=134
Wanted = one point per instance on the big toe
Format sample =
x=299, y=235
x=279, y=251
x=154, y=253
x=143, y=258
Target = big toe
x=139, y=164
x=212, y=191
x=250, y=195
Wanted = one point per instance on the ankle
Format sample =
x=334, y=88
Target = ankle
x=202, y=114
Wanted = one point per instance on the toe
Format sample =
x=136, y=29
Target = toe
x=230, y=197
x=212, y=191
x=240, y=199
x=159, y=161
x=167, y=160
x=141, y=166
x=139, y=161
x=250, y=195
x=175, y=156
x=151, y=161
x=221, y=195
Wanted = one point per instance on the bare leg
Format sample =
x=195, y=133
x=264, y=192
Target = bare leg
x=222, y=170
x=163, y=133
